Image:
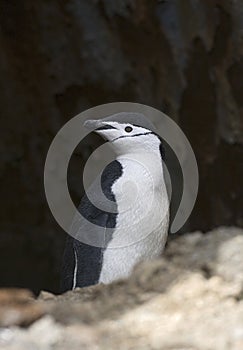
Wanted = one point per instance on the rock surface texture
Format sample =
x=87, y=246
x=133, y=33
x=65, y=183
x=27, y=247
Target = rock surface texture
x=190, y=299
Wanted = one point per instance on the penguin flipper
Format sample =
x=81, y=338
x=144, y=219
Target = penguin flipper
x=68, y=265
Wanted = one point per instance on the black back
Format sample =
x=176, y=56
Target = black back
x=89, y=258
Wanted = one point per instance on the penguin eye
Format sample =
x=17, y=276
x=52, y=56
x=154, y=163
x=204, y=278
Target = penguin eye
x=128, y=129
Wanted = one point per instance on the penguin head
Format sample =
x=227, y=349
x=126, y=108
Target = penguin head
x=126, y=132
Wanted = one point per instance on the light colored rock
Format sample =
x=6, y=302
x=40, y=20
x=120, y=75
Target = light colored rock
x=44, y=295
x=190, y=299
x=196, y=313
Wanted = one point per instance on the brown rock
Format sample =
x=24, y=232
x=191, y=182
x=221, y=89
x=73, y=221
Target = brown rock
x=18, y=307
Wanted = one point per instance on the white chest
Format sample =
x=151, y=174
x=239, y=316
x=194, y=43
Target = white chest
x=142, y=223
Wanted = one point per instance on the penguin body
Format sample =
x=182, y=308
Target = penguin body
x=138, y=228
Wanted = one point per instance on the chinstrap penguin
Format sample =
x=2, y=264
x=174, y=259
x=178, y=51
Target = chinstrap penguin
x=136, y=227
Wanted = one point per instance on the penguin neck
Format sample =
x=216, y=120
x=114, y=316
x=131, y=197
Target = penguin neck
x=150, y=160
x=149, y=154
x=144, y=156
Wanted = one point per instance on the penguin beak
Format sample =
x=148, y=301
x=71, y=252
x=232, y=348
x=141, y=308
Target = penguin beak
x=97, y=125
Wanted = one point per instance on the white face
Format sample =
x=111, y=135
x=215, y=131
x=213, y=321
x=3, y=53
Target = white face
x=128, y=138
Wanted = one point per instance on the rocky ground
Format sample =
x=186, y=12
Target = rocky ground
x=191, y=299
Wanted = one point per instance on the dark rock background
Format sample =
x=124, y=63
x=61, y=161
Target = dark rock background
x=59, y=58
